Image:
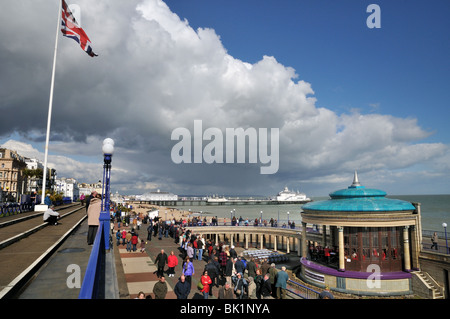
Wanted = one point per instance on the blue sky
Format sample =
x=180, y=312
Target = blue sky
x=401, y=69
x=371, y=100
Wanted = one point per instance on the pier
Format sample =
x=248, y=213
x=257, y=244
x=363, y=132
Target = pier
x=197, y=201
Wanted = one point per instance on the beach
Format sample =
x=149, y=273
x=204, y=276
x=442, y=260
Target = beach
x=435, y=209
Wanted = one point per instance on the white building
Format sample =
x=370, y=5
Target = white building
x=34, y=183
x=87, y=189
x=69, y=188
x=158, y=195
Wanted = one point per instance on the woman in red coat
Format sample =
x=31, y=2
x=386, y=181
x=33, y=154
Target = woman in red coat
x=206, y=281
x=172, y=261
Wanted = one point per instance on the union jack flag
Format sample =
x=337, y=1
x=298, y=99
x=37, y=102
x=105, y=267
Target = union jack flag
x=71, y=29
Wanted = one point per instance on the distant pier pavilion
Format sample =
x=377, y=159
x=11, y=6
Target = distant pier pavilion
x=369, y=243
x=206, y=202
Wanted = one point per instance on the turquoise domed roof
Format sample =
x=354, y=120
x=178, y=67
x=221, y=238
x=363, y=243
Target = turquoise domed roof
x=357, y=198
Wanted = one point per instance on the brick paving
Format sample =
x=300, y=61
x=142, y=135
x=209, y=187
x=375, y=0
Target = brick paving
x=139, y=270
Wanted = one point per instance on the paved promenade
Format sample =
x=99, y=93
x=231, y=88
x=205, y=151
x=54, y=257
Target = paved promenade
x=136, y=271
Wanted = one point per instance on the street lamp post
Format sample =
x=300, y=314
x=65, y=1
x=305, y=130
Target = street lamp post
x=445, y=231
x=105, y=218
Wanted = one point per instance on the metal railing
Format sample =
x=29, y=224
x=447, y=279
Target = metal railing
x=93, y=286
x=302, y=291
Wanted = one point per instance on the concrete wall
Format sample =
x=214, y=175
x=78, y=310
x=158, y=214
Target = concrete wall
x=438, y=267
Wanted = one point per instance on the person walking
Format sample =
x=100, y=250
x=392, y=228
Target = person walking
x=128, y=239
x=172, y=262
x=251, y=288
x=160, y=288
x=134, y=241
x=240, y=286
x=206, y=282
x=161, y=261
x=282, y=278
x=326, y=294
x=266, y=289
x=251, y=268
x=200, y=246
x=149, y=230
x=47, y=200
x=182, y=288
x=229, y=270
x=142, y=246
x=273, y=276
x=124, y=237
x=118, y=237
x=223, y=258
x=434, y=241
x=93, y=212
x=213, y=274
x=226, y=292
x=188, y=270
x=190, y=251
x=259, y=281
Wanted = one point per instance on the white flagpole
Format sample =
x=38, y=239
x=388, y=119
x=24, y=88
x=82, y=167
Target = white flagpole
x=50, y=104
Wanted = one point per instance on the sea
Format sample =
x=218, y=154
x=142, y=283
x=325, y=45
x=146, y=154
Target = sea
x=435, y=210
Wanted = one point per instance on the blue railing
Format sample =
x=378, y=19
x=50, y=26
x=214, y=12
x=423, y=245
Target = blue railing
x=94, y=279
x=15, y=208
x=302, y=291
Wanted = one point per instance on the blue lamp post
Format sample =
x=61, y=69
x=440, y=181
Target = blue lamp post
x=105, y=218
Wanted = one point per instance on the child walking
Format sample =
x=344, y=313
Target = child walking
x=142, y=246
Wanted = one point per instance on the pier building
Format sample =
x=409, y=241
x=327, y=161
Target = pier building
x=369, y=243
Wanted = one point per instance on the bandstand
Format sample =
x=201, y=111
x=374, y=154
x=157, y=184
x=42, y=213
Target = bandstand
x=363, y=243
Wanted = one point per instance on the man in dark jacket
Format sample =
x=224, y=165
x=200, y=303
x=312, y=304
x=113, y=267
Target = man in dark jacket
x=161, y=261
x=182, y=288
x=223, y=258
x=233, y=253
x=251, y=268
x=212, y=273
x=160, y=288
x=239, y=265
x=266, y=288
x=228, y=271
x=226, y=292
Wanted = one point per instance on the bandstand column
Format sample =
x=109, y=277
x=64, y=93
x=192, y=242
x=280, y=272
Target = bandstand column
x=246, y=240
x=275, y=243
x=217, y=238
x=304, y=243
x=288, y=239
x=231, y=239
x=324, y=235
x=415, y=248
x=261, y=240
x=406, y=249
x=341, y=249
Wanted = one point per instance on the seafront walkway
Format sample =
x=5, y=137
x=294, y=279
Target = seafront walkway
x=136, y=271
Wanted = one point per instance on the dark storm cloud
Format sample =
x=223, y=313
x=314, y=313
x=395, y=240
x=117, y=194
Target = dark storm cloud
x=154, y=73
